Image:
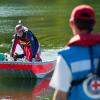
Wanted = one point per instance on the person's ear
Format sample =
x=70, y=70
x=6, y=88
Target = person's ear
x=71, y=23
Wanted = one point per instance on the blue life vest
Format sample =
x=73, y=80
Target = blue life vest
x=79, y=62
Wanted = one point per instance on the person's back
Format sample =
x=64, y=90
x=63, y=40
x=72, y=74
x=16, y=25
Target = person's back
x=76, y=63
x=80, y=63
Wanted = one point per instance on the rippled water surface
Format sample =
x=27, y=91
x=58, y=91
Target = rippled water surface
x=49, y=21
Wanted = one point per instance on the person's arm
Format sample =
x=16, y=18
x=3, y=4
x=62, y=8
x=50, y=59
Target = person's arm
x=60, y=95
x=34, y=42
x=15, y=42
x=61, y=79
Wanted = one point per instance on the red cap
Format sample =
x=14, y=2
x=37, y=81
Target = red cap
x=83, y=12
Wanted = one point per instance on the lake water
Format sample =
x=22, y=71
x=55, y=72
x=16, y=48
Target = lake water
x=25, y=89
x=48, y=20
x=45, y=18
x=40, y=17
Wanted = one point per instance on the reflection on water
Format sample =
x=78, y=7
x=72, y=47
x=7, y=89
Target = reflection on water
x=25, y=89
x=46, y=19
x=16, y=88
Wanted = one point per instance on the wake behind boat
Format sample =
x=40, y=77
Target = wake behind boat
x=26, y=69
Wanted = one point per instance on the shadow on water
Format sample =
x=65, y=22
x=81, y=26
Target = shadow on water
x=25, y=88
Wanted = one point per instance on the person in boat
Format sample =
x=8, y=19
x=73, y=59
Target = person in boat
x=28, y=42
x=77, y=73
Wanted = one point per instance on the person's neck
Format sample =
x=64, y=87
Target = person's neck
x=81, y=32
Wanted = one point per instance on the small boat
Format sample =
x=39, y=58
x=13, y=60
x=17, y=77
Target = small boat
x=26, y=69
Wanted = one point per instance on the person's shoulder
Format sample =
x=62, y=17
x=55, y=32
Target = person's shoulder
x=29, y=33
x=69, y=50
x=65, y=49
x=14, y=35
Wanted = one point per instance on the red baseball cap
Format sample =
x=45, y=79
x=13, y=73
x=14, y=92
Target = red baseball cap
x=83, y=12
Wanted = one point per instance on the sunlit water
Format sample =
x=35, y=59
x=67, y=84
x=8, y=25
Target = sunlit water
x=49, y=54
